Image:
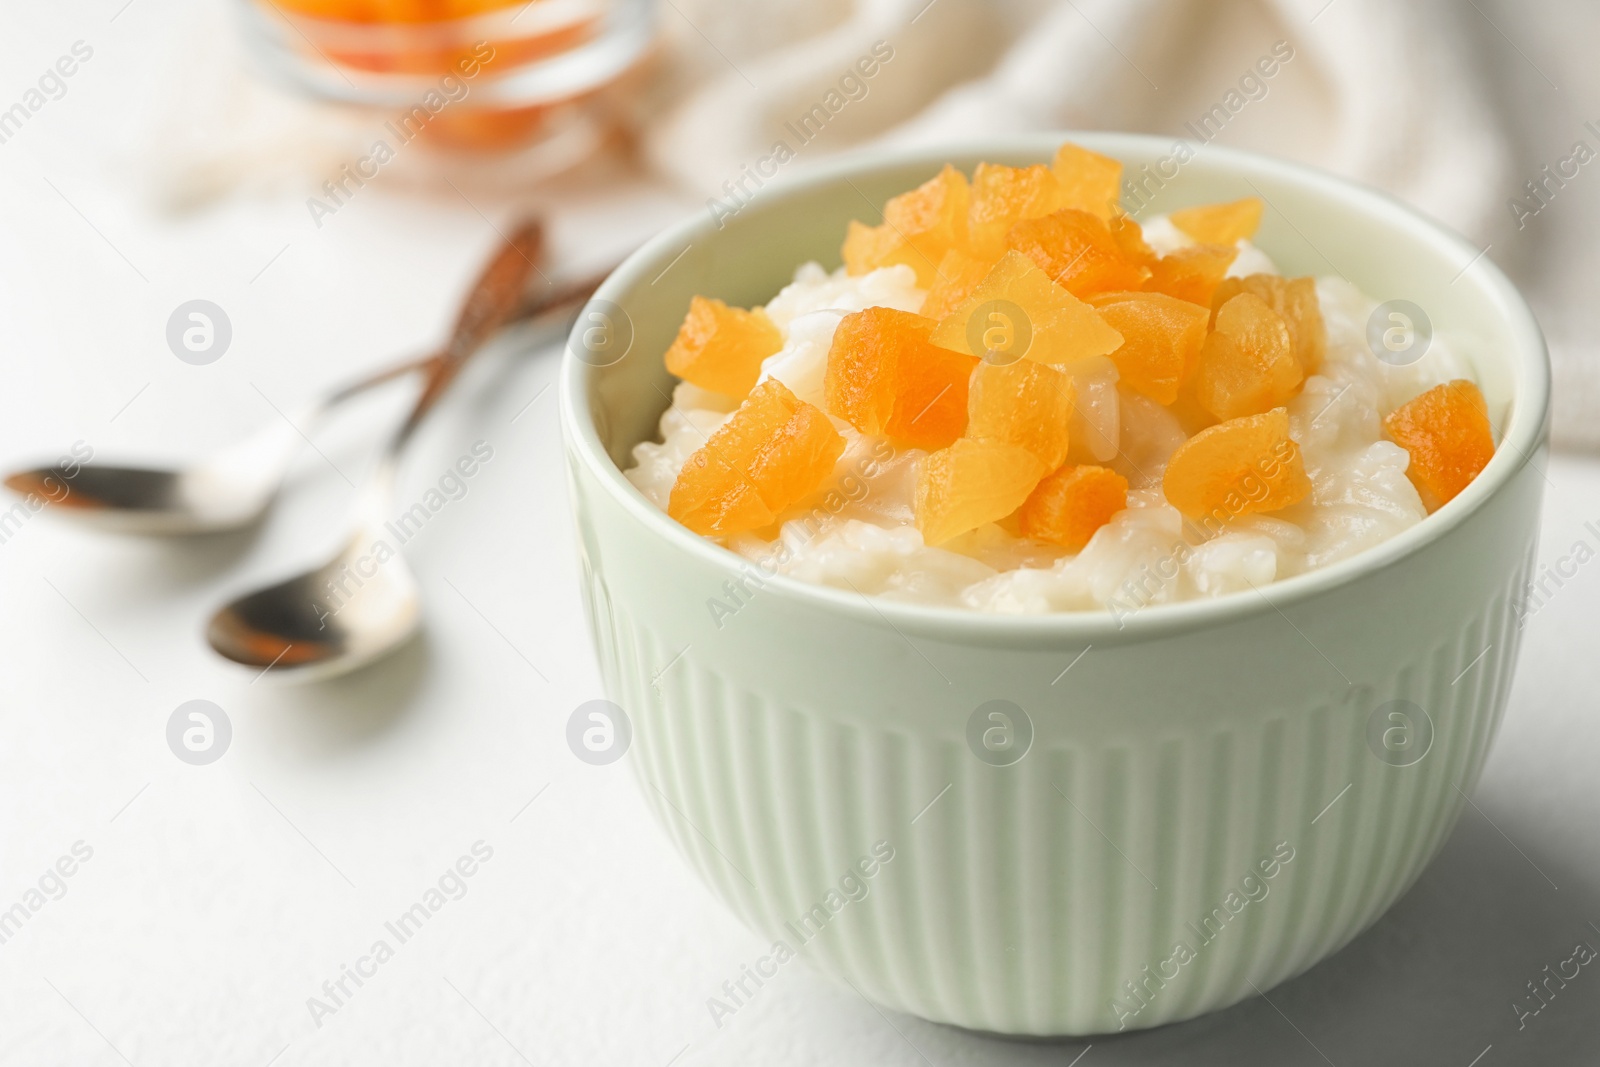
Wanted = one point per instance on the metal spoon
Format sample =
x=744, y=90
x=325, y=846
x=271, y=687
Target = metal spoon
x=229, y=490
x=364, y=603
x=235, y=486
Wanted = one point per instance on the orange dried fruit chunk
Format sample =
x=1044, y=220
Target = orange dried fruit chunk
x=1190, y=415
x=1055, y=326
x=866, y=248
x=1247, y=364
x=971, y=483
x=1026, y=404
x=1161, y=338
x=1236, y=468
x=1130, y=238
x=1089, y=181
x=1220, y=224
x=918, y=228
x=1003, y=196
x=1295, y=299
x=1192, y=273
x=1078, y=251
x=1070, y=504
x=721, y=348
x=1446, y=432
x=773, y=451
x=886, y=377
x=957, y=276
x=934, y=214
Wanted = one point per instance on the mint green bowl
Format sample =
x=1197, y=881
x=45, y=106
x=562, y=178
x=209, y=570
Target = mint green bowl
x=1117, y=876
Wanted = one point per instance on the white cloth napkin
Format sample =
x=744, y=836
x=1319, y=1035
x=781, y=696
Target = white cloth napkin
x=1451, y=106
x=1420, y=98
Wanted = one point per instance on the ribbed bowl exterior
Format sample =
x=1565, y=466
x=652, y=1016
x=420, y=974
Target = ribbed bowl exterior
x=1049, y=896
x=1210, y=803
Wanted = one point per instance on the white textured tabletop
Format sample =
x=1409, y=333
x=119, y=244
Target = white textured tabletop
x=212, y=911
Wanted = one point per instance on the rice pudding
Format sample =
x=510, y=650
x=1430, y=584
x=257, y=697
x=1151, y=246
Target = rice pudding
x=1015, y=398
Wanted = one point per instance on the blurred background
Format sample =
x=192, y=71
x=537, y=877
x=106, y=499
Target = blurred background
x=207, y=131
x=197, y=140
x=329, y=173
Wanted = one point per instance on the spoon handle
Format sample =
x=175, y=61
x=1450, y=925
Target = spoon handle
x=492, y=301
x=376, y=378
x=531, y=305
x=560, y=294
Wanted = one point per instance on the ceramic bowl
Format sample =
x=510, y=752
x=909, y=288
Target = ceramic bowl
x=1172, y=810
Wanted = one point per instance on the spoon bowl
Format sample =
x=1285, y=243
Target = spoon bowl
x=363, y=603
x=231, y=489
x=357, y=607
x=126, y=499
x=236, y=486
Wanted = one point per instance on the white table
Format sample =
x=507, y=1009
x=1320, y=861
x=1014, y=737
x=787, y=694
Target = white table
x=219, y=898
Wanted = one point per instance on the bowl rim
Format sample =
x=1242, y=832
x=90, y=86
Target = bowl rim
x=1521, y=437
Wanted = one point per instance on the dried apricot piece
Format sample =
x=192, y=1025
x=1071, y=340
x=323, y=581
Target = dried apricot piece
x=773, y=451
x=933, y=216
x=866, y=248
x=1192, y=273
x=1247, y=364
x=1235, y=468
x=1302, y=312
x=721, y=348
x=1130, y=238
x=957, y=276
x=1089, y=181
x=1003, y=196
x=918, y=227
x=1070, y=504
x=1161, y=337
x=1446, y=432
x=971, y=483
x=886, y=377
x=1078, y=251
x=1026, y=404
x=1220, y=224
x=1190, y=415
x=1295, y=299
x=1056, y=326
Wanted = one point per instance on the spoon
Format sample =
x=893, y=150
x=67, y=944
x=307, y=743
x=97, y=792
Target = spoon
x=364, y=603
x=234, y=487
x=229, y=490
